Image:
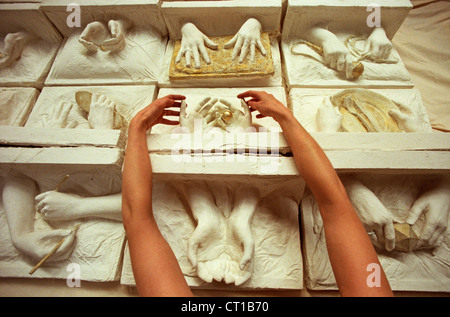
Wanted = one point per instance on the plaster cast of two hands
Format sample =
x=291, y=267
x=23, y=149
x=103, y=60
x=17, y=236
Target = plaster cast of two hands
x=193, y=43
x=97, y=35
x=212, y=112
x=336, y=54
x=433, y=203
x=14, y=45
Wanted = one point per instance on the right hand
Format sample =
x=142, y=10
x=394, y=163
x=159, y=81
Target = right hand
x=337, y=56
x=101, y=114
x=265, y=103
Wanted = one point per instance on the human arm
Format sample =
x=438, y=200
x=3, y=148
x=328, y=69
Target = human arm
x=349, y=247
x=155, y=267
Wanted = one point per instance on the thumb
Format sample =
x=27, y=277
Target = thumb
x=416, y=210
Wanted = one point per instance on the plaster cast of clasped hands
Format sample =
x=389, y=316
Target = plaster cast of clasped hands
x=14, y=45
x=248, y=37
x=97, y=35
x=193, y=43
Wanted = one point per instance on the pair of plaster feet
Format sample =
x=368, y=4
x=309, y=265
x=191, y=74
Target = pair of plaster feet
x=193, y=43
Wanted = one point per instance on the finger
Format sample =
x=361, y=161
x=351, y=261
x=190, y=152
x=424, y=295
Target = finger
x=171, y=113
x=204, y=54
x=260, y=116
x=387, y=51
x=340, y=63
x=66, y=110
x=175, y=97
x=39, y=197
x=252, y=51
x=179, y=55
x=237, y=48
x=244, y=51
x=101, y=99
x=245, y=107
x=231, y=42
x=389, y=235
x=210, y=43
x=207, y=107
x=169, y=122
x=250, y=93
x=333, y=61
x=196, y=57
x=188, y=58
x=261, y=47
x=380, y=235
x=416, y=210
x=249, y=246
x=375, y=51
x=436, y=235
x=200, y=105
x=348, y=66
x=72, y=124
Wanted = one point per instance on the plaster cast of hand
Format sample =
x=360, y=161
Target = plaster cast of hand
x=337, y=56
x=328, y=118
x=94, y=35
x=248, y=36
x=101, y=113
x=14, y=45
x=54, y=205
x=435, y=205
x=58, y=116
x=193, y=43
x=408, y=121
x=117, y=41
x=372, y=213
x=198, y=117
x=378, y=44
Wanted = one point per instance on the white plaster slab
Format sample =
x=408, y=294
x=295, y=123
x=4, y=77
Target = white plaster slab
x=98, y=243
x=143, y=13
x=305, y=102
x=420, y=270
x=31, y=69
x=277, y=259
x=268, y=81
x=48, y=137
x=16, y=105
x=195, y=95
x=343, y=18
x=138, y=97
x=224, y=17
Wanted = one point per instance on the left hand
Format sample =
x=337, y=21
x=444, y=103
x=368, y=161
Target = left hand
x=155, y=112
x=248, y=36
x=101, y=113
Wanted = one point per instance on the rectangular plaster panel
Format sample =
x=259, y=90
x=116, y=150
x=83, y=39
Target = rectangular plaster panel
x=306, y=102
x=132, y=97
x=37, y=56
x=423, y=269
x=277, y=261
x=98, y=243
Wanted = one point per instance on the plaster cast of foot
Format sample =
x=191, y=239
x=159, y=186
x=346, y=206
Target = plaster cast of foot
x=193, y=43
x=14, y=45
x=101, y=113
x=94, y=35
x=248, y=37
x=372, y=213
x=18, y=200
x=435, y=205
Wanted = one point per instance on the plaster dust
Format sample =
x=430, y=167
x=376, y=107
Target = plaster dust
x=138, y=63
x=277, y=259
x=306, y=102
x=195, y=95
x=98, y=242
x=33, y=65
x=16, y=105
x=419, y=270
x=134, y=97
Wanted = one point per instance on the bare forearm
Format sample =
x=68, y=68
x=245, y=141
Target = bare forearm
x=312, y=162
